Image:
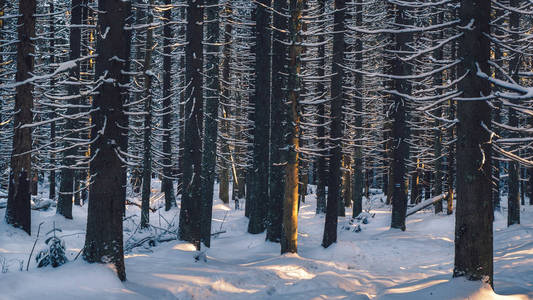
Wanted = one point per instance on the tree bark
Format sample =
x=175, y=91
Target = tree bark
x=321, y=130
x=51, y=49
x=278, y=156
x=224, y=172
x=68, y=175
x=437, y=142
x=189, y=227
x=289, y=239
x=104, y=240
x=147, y=130
x=167, y=183
x=337, y=99
x=260, y=160
x=400, y=131
x=513, y=197
x=212, y=99
x=473, y=222
x=358, y=178
x=18, y=211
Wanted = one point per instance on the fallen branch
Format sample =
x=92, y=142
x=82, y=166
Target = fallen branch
x=215, y=234
x=425, y=204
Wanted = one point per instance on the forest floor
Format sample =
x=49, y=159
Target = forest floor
x=375, y=263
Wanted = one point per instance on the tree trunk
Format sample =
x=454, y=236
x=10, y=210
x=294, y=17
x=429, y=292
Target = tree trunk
x=321, y=173
x=167, y=183
x=437, y=142
x=357, y=190
x=289, y=239
x=337, y=99
x=18, y=211
x=450, y=179
x=278, y=156
x=497, y=113
x=473, y=222
x=189, y=227
x=52, y=48
x=346, y=185
x=181, y=117
x=400, y=131
x=224, y=172
x=66, y=187
x=513, y=197
x=147, y=131
x=260, y=160
x=104, y=240
x=209, y=152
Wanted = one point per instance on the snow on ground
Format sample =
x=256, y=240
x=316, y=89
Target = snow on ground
x=376, y=263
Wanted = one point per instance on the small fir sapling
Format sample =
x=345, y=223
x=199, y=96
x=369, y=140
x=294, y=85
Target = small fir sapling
x=54, y=254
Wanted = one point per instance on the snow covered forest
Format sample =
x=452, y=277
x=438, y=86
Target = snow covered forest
x=266, y=149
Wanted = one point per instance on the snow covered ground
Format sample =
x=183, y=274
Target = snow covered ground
x=376, y=263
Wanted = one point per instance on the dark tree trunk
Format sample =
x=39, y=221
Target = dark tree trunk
x=18, y=211
x=278, y=155
x=52, y=48
x=289, y=237
x=497, y=114
x=181, y=117
x=104, y=240
x=346, y=186
x=260, y=160
x=189, y=227
x=224, y=123
x=388, y=180
x=147, y=130
x=167, y=183
x=437, y=143
x=140, y=15
x=473, y=223
x=3, y=162
x=400, y=131
x=66, y=187
x=513, y=198
x=224, y=169
x=358, y=178
x=337, y=99
x=450, y=176
x=321, y=172
x=209, y=152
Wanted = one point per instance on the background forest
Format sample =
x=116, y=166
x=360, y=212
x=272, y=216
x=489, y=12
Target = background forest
x=361, y=135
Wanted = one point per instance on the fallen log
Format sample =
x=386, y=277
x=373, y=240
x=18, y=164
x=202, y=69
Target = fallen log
x=425, y=204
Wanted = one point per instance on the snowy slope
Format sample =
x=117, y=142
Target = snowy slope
x=376, y=263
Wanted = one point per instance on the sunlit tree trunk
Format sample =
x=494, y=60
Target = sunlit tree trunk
x=289, y=239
